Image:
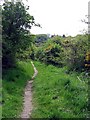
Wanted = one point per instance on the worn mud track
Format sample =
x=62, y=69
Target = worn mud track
x=27, y=106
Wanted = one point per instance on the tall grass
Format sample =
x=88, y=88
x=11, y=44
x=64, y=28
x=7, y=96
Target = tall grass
x=58, y=94
x=14, y=82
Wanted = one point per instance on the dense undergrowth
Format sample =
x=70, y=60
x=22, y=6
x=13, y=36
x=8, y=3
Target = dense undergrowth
x=58, y=94
x=61, y=87
x=14, y=82
x=68, y=51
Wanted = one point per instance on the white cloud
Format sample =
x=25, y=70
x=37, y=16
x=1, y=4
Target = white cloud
x=59, y=16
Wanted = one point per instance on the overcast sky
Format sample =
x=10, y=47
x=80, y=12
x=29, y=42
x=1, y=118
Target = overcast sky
x=59, y=16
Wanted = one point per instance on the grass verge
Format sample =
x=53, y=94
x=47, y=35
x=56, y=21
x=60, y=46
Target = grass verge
x=58, y=94
x=14, y=82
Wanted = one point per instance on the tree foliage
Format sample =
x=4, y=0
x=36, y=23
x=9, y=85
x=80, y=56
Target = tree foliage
x=68, y=51
x=40, y=39
x=16, y=23
x=51, y=52
x=75, y=51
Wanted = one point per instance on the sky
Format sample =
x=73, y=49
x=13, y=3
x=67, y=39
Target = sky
x=59, y=16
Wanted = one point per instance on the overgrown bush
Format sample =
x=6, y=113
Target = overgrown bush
x=51, y=52
x=69, y=51
x=76, y=51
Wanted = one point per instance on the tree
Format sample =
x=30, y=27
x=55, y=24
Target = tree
x=16, y=23
x=87, y=57
x=41, y=38
x=51, y=52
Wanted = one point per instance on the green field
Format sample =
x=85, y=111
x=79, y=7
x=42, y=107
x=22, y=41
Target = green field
x=57, y=94
x=14, y=81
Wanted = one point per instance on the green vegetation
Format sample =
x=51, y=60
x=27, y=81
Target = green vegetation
x=14, y=82
x=61, y=88
x=67, y=51
x=58, y=94
x=16, y=23
x=51, y=52
x=41, y=38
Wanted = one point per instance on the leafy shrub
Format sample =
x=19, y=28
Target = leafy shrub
x=51, y=52
x=76, y=52
x=68, y=51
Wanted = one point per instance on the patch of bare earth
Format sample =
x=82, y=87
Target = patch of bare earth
x=27, y=106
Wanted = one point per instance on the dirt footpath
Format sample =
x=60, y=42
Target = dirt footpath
x=27, y=106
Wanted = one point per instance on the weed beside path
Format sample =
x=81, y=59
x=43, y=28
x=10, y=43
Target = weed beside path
x=58, y=94
x=27, y=106
x=14, y=82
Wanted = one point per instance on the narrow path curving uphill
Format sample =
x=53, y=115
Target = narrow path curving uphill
x=27, y=106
